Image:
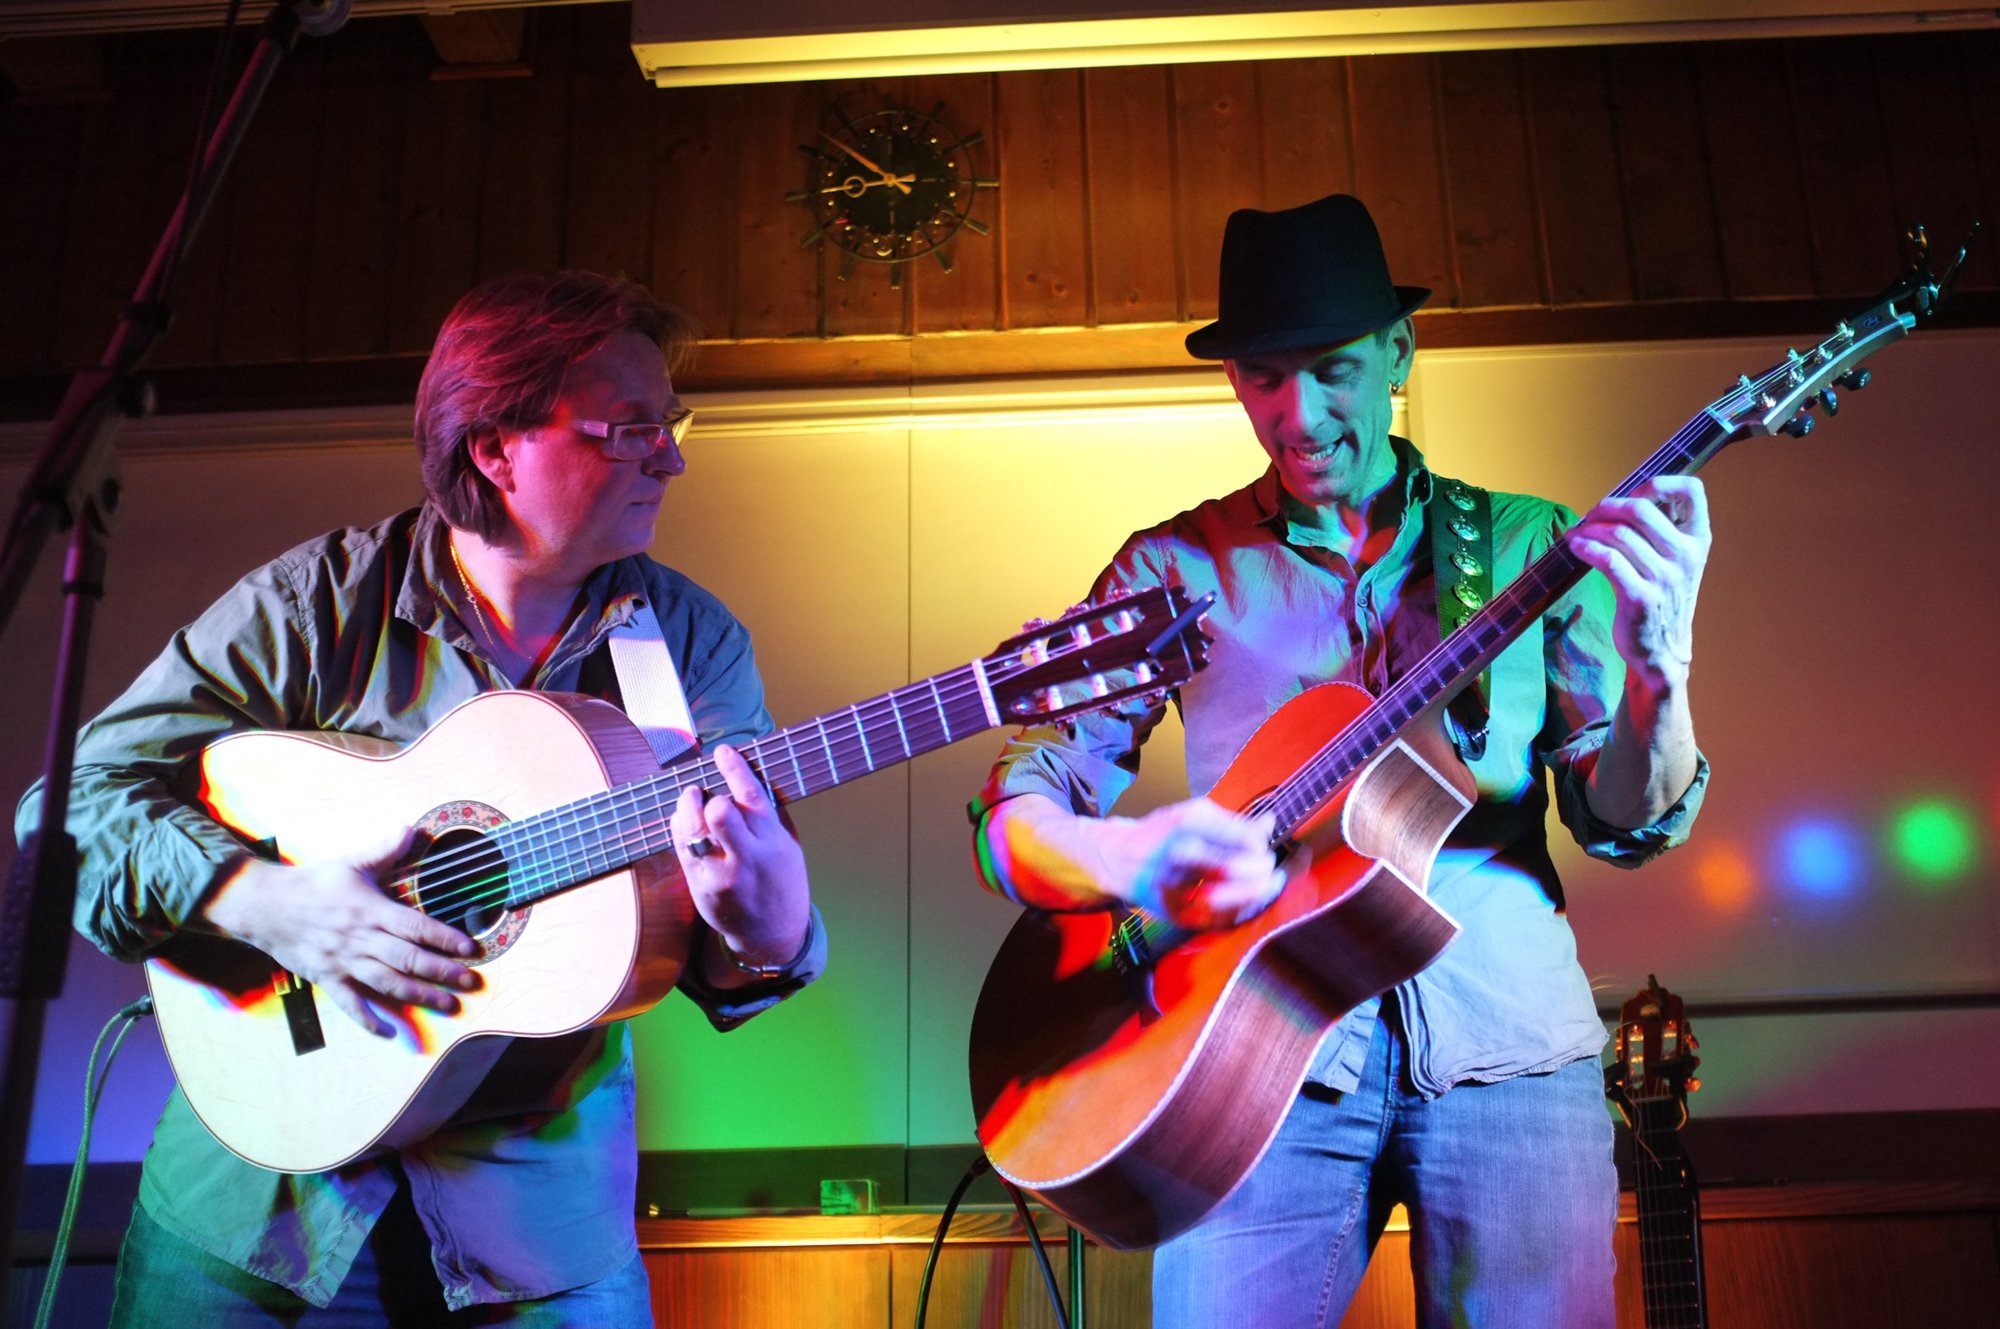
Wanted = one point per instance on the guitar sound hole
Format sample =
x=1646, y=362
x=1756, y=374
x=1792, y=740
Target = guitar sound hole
x=462, y=880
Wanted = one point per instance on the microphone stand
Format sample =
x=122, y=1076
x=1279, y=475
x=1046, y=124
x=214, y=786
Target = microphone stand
x=75, y=485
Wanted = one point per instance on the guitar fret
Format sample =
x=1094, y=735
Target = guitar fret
x=896, y=713
x=798, y=772
x=861, y=732
x=938, y=702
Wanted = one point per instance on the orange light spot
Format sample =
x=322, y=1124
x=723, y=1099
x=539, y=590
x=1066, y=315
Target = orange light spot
x=1724, y=879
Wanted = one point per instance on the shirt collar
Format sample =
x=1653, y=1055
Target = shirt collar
x=1410, y=465
x=433, y=597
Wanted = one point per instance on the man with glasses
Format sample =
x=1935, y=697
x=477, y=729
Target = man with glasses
x=548, y=431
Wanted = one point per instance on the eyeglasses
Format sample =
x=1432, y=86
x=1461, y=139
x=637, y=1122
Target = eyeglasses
x=637, y=442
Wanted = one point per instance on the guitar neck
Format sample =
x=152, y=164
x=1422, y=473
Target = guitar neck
x=554, y=850
x=1669, y=1204
x=1460, y=657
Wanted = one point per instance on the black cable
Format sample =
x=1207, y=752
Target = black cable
x=93, y=1087
x=202, y=123
x=1041, y=1256
x=979, y=1165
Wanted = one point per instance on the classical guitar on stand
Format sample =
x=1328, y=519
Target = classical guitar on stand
x=542, y=826
x=1649, y=1078
x=1130, y=1074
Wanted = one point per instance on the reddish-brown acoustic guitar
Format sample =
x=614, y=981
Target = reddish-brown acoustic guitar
x=1129, y=1074
x=543, y=832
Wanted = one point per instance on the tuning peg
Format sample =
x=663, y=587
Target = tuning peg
x=1854, y=379
x=1034, y=625
x=1799, y=425
x=1830, y=401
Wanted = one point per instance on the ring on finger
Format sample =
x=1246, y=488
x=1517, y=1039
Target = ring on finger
x=702, y=847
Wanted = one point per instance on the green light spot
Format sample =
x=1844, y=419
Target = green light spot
x=1934, y=841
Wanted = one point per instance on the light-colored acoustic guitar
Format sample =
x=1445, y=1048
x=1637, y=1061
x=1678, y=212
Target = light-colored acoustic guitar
x=542, y=824
x=1129, y=1074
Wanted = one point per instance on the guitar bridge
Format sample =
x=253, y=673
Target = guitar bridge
x=1131, y=952
x=301, y=1015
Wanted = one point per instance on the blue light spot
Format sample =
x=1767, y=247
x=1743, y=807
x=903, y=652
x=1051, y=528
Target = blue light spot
x=1820, y=858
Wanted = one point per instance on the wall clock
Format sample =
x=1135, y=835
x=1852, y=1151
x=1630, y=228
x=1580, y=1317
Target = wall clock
x=891, y=186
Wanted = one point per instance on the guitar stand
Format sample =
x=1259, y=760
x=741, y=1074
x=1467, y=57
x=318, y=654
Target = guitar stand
x=1072, y=1318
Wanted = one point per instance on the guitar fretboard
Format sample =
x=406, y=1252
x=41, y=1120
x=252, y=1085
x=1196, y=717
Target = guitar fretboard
x=553, y=850
x=1461, y=656
x=1669, y=1204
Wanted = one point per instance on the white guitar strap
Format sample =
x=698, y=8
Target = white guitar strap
x=654, y=698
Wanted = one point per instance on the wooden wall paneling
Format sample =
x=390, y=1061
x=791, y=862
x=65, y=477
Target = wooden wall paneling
x=524, y=199
x=610, y=196
x=438, y=217
x=41, y=183
x=694, y=185
x=1495, y=230
x=967, y=298
x=1976, y=61
x=1219, y=167
x=1577, y=186
x=273, y=184
x=1387, y=1297
x=1045, y=257
x=1844, y=162
x=865, y=303
x=1307, y=142
x=980, y=1284
x=128, y=157
x=1933, y=171
x=1915, y=1271
x=369, y=73
x=197, y=292
x=1754, y=165
x=1129, y=165
x=777, y=283
x=823, y=1287
x=1662, y=151
x=1396, y=169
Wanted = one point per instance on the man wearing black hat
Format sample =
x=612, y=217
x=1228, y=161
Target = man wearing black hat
x=1469, y=1094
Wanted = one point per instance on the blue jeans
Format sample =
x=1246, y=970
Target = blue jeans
x=1510, y=1189
x=167, y=1283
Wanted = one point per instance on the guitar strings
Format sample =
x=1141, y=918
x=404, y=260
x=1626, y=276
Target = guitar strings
x=465, y=877
x=1297, y=797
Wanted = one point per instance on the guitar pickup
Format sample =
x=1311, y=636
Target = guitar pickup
x=301, y=1015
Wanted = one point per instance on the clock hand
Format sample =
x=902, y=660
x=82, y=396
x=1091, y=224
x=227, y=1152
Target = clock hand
x=854, y=186
x=900, y=182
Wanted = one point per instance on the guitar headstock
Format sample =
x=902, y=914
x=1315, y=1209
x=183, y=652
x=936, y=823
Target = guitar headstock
x=1653, y=1052
x=1784, y=397
x=1096, y=655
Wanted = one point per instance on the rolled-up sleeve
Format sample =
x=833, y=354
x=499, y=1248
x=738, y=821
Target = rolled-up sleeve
x=1086, y=764
x=1585, y=679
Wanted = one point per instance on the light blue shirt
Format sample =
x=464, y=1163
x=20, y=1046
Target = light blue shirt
x=1507, y=997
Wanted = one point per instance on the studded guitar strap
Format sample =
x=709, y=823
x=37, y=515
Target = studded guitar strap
x=1461, y=522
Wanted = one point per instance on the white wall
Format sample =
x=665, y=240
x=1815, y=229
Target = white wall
x=869, y=540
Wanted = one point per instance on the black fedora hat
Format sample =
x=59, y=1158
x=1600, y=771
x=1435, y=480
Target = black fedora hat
x=1313, y=275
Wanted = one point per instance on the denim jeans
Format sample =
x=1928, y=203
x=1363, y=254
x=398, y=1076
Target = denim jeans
x=1510, y=1189
x=167, y=1283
